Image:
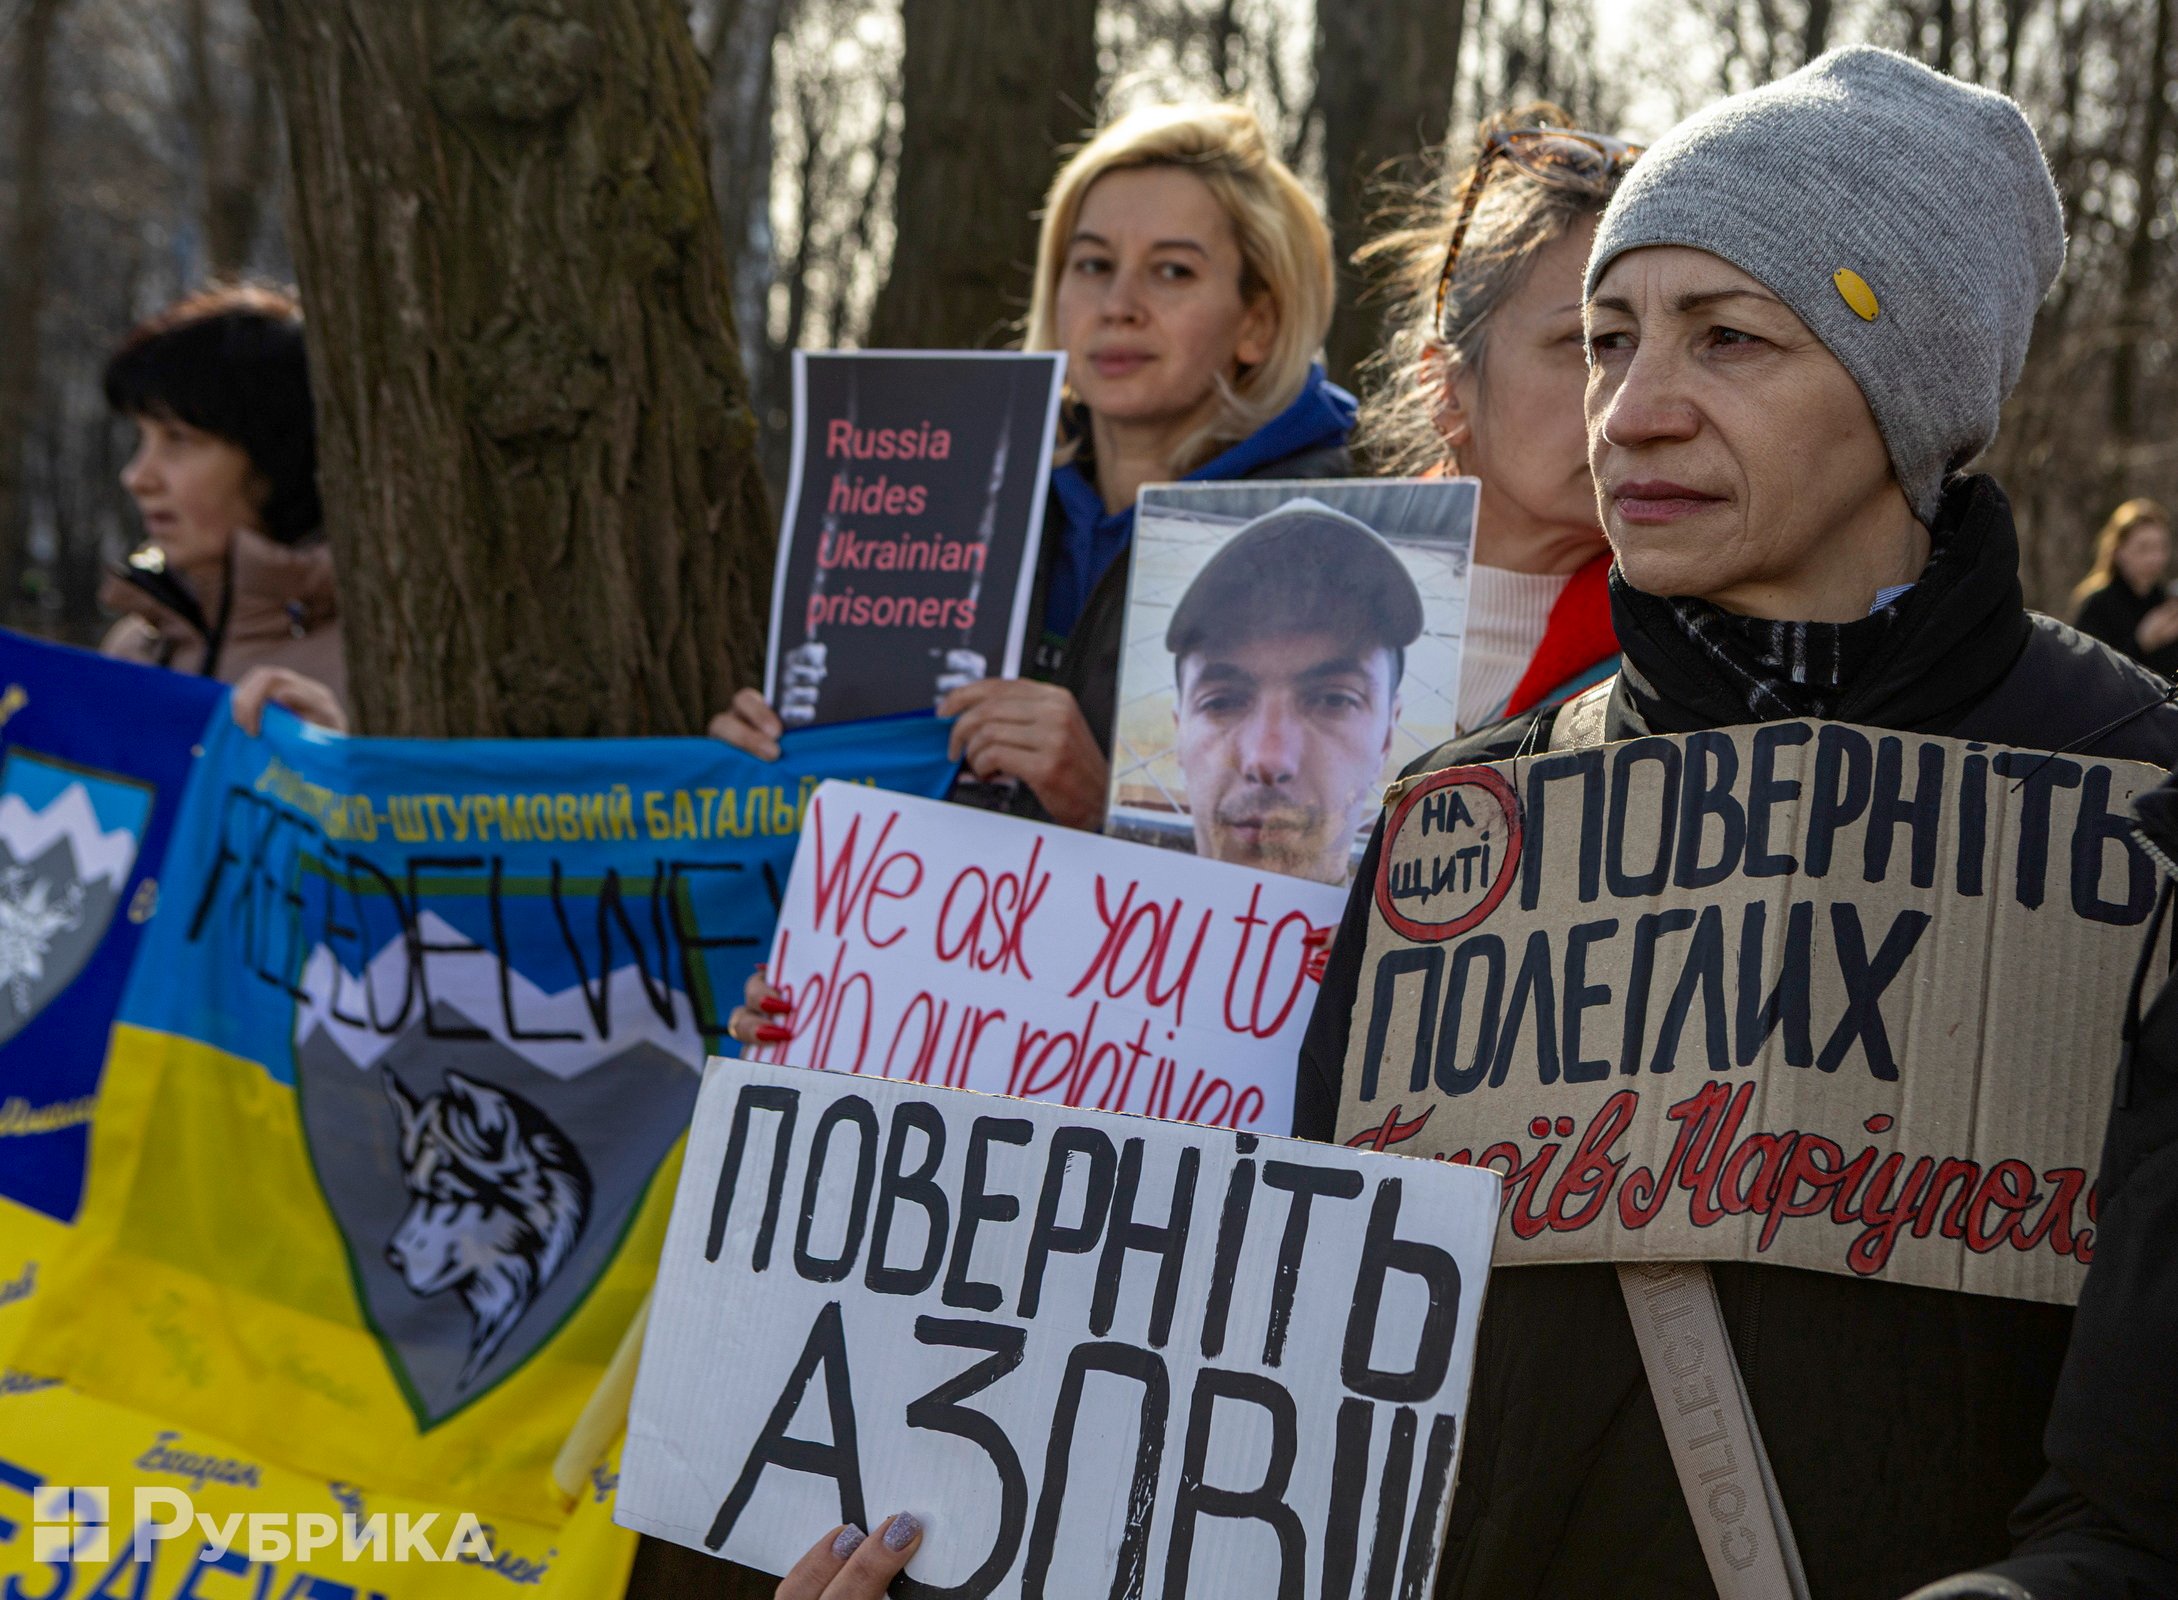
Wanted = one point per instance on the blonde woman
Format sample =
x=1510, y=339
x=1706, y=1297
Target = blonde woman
x=2125, y=599
x=1187, y=276
x=1483, y=375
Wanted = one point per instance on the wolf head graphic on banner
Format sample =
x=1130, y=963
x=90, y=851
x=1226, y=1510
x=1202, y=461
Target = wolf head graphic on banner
x=499, y=1197
x=482, y=1172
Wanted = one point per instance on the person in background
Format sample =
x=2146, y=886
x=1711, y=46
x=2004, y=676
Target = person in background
x=2125, y=600
x=1787, y=368
x=1482, y=375
x=1187, y=276
x=234, y=580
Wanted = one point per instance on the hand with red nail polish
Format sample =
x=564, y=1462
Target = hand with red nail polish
x=762, y=1017
x=847, y=1564
x=1316, y=945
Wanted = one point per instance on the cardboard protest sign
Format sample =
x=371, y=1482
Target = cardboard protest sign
x=913, y=518
x=1802, y=993
x=1066, y=1340
x=1290, y=649
x=939, y=944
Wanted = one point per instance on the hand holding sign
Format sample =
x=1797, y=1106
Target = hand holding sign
x=847, y=1564
x=750, y=725
x=1015, y=728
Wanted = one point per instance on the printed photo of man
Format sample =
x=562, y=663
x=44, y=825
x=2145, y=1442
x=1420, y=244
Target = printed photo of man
x=1288, y=649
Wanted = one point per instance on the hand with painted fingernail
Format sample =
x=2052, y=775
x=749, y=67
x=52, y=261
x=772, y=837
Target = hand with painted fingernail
x=764, y=1015
x=846, y=1564
x=1316, y=952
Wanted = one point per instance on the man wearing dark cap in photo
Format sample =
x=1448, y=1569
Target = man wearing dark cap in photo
x=1288, y=648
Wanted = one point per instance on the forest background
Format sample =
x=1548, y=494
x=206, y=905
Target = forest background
x=874, y=165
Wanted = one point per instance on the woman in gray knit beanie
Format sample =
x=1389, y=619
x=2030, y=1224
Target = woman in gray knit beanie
x=1804, y=308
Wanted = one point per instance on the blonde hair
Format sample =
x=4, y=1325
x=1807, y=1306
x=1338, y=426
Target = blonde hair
x=1285, y=249
x=1516, y=219
x=2132, y=515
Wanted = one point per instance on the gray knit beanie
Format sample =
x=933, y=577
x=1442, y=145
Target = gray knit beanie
x=1907, y=218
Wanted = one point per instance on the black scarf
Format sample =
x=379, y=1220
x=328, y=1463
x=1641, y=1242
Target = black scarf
x=1918, y=663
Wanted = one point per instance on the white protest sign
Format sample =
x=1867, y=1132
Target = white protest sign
x=1066, y=1340
x=940, y=944
x=1805, y=993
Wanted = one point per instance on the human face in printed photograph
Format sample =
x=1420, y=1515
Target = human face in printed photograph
x=1150, y=309
x=1282, y=740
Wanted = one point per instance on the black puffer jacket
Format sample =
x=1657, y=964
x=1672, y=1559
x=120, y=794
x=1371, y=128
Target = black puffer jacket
x=2103, y=1522
x=1903, y=1423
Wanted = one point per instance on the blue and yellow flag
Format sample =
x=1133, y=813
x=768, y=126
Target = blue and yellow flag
x=384, y=1155
x=93, y=758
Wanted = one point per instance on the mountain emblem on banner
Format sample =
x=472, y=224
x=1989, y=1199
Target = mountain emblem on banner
x=482, y=1181
x=68, y=841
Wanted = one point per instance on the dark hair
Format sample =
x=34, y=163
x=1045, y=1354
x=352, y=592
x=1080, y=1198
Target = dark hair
x=229, y=360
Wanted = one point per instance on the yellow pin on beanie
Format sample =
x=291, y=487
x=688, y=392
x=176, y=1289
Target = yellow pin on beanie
x=1854, y=291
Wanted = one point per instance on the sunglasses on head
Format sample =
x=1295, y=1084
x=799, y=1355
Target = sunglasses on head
x=1564, y=158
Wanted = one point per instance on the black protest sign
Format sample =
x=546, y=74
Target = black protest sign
x=913, y=518
x=1803, y=993
x=1093, y=1351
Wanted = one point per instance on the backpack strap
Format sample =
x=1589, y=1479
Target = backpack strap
x=1701, y=1397
x=1716, y=1448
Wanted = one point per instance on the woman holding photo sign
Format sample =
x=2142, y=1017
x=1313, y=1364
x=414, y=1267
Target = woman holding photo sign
x=1803, y=311
x=1187, y=276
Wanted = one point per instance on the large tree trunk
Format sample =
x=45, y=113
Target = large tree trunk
x=22, y=295
x=535, y=447
x=990, y=89
x=1386, y=71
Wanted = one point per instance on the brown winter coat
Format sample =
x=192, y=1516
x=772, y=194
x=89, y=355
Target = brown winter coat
x=276, y=608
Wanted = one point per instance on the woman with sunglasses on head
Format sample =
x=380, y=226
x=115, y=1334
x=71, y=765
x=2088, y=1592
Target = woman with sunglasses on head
x=1804, y=308
x=1187, y=276
x=1483, y=376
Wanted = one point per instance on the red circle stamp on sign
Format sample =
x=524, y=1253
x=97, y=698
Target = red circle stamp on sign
x=1450, y=851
